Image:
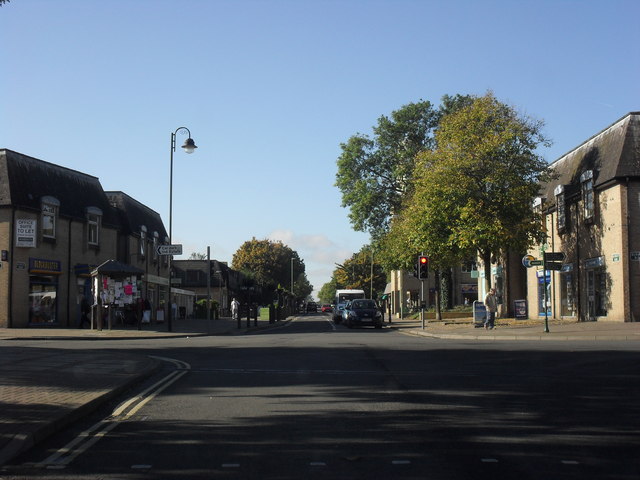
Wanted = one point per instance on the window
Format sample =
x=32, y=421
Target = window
x=94, y=217
x=49, y=214
x=143, y=240
x=561, y=211
x=155, y=246
x=587, y=195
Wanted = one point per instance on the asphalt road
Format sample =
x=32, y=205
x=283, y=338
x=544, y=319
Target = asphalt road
x=315, y=400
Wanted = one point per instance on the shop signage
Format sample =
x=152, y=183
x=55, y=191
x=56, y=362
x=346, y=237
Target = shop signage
x=26, y=232
x=40, y=265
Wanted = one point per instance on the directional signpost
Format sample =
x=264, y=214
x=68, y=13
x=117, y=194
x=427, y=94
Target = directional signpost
x=553, y=260
x=169, y=249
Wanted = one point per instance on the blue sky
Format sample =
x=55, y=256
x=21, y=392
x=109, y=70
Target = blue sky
x=269, y=90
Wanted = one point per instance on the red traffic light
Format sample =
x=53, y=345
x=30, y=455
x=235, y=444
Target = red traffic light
x=423, y=267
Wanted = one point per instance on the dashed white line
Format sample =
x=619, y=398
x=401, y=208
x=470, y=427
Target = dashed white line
x=230, y=465
x=318, y=464
x=401, y=462
x=570, y=462
x=489, y=460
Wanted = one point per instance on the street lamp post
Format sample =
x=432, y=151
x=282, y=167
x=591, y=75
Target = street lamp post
x=189, y=147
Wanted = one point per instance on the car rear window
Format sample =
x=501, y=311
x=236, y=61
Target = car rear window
x=363, y=304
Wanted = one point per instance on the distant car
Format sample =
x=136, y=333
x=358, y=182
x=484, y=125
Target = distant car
x=312, y=307
x=326, y=308
x=362, y=312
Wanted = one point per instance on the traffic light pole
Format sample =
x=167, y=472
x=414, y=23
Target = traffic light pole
x=422, y=303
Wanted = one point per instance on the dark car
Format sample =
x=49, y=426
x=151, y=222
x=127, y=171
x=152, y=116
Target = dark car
x=312, y=307
x=362, y=312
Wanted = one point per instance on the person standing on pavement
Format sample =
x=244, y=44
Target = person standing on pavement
x=235, y=307
x=491, y=305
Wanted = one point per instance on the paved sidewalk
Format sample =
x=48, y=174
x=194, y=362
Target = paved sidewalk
x=44, y=389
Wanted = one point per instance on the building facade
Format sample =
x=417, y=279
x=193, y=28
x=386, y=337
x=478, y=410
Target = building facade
x=56, y=226
x=591, y=215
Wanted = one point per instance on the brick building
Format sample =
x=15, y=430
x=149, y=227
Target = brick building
x=56, y=226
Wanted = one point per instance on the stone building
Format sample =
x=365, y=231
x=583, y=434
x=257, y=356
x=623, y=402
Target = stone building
x=56, y=226
x=592, y=212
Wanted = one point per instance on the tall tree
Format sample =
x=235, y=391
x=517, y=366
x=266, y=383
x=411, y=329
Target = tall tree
x=474, y=191
x=374, y=173
x=269, y=264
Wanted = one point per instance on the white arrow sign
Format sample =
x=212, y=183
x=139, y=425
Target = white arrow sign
x=169, y=249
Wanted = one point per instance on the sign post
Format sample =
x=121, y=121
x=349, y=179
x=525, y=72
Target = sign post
x=169, y=249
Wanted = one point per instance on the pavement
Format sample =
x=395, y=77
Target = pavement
x=43, y=390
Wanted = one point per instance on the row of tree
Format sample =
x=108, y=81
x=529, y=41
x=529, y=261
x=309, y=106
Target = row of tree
x=270, y=265
x=453, y=181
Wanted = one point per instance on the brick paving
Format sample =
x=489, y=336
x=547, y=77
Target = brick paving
x=44, y=389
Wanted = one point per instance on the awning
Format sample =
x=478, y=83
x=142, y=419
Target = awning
x=114, y=268
x=388, y=288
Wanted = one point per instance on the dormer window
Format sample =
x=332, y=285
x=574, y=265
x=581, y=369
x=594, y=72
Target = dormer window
x=588, y=197
x=50, y=207
x=143, y=240
x=94, y=220
x=561, y=212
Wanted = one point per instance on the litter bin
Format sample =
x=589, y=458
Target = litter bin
x=479, y=314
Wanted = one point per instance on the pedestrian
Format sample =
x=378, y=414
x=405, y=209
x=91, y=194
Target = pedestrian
x=491, y=305
x=235, y=307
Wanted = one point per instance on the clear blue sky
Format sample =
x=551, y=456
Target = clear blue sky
x=269, y=90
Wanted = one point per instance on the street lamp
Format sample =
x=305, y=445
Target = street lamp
x=189, y=147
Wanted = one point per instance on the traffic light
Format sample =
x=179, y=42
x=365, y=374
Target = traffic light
x=423, y=267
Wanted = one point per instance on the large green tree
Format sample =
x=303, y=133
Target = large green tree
x=361, y=271
x=375, y=173
x=269, y=263
x=474, y=191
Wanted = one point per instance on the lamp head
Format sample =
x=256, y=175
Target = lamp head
x=189, y=145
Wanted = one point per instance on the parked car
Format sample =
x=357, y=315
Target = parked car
x=326, y=308
x=362, y=312
x=312, y=307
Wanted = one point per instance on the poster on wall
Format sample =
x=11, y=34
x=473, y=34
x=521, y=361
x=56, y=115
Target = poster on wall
x=26, y=232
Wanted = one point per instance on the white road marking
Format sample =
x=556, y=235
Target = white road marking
x=141, y=467
x=230, y=465
x=489, y=460
x=89, y=437
x=318, y=464
x=570, y=462
x=401, y=462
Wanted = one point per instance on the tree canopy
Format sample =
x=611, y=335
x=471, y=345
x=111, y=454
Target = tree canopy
x=269, y=264
x=375, y=173
x=473, y=192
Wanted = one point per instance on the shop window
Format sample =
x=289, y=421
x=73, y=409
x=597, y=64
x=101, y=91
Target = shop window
x=42, y=300
x=567, y=299
x=561, y=212
x=94, y=220
x=588, y=203
x=50, y=208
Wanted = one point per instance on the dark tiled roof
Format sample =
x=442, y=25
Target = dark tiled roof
x=133, y=214
x=612, y=154
x=25, y=180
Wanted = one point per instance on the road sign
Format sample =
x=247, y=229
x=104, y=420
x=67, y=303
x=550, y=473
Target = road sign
x=169, y=249
x=553, y=256
x=527, y=259
x=553, y=266
x=536, y=263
